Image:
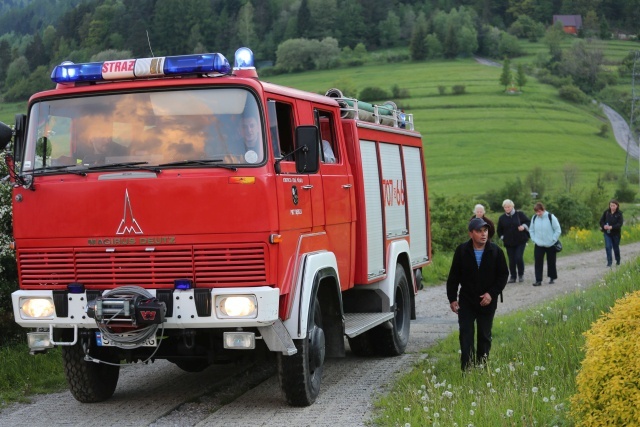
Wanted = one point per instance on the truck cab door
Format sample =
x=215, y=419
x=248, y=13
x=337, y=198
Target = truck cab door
x=293, y=188
x=338, y=194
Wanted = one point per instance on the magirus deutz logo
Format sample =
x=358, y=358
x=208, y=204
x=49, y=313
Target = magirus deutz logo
x=129, y=229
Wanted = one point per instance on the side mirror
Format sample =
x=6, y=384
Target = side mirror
x=6, y=133
x=19, y=138
x=307, y=143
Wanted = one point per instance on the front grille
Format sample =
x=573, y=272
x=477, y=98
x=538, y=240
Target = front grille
x=206, y=265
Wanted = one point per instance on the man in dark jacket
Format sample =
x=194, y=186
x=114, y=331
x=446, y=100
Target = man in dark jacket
x=479, y=270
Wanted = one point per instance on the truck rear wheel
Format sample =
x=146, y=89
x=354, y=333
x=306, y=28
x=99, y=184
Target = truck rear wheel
x=392, y=340
x=89, y=382
x=300, y=375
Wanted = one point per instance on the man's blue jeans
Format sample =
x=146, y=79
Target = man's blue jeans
x=612, y=241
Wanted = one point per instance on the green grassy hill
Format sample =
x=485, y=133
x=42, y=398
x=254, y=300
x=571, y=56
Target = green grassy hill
x=477, y=141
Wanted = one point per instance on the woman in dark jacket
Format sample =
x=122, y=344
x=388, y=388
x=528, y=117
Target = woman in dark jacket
x=478, y=212
x=610, y=224
x=513, y=229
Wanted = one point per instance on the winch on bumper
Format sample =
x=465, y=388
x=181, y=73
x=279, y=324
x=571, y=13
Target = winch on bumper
x=184, y=309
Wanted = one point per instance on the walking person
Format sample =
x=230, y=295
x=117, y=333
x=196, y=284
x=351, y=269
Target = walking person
x=478, y=212
x=477, y=276
x=513, y=229
x=610, y=224
x=545, y=231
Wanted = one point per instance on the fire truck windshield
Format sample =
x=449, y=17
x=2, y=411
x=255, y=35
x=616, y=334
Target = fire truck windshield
x=178, y=128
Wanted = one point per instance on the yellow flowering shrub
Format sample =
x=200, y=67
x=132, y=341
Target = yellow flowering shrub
x=608, y=384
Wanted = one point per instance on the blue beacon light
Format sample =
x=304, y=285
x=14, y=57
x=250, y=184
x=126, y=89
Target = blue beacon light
x=243, y=59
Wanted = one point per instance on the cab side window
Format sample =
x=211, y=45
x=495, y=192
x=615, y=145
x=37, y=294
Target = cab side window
x=281, y=127
x=328, y=147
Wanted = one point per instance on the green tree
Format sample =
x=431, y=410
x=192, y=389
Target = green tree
x=434, y=47
x=521, y=77
x=328, y=55
x=418, y=47
x=323, y=18
x=297, y=54
x=245, y=25
x=450, y=44
x=390, y=30
x=553, y=39
x=304, y=17
x=505, y=76
x=350, y=24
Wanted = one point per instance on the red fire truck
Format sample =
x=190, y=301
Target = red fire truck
x=178, y=208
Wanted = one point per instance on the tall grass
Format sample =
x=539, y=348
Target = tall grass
x=530, y=375
x=22, y=375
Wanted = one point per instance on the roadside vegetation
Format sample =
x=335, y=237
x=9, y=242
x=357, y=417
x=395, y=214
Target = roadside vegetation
x=530, y=378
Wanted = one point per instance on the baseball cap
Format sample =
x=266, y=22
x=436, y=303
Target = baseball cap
x=476, y=224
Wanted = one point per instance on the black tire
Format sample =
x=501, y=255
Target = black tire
x=392, y=340
x=89, y=382
x=300, y=375
x=362, y=345
x=419, y=283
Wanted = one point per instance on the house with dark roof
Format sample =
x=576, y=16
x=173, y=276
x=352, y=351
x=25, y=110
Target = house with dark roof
x=570, y=23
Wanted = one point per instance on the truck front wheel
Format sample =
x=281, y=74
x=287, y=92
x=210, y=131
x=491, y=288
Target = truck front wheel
x=300, y=375
x=89, y=382
x=392, y=339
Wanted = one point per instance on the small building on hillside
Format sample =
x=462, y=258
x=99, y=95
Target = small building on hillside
x=571, y=23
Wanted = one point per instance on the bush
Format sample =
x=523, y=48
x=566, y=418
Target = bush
x=604, y=130
x=373, y=93
x=570, y=211
x=607, y=384
x=624, y=193
x=458, y=89
x=452, y=218
x=442, y=90
x=398, y=93
x=572, y=93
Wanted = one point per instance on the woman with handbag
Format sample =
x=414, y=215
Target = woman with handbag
x=513, y=229
x=610, y=224
x=545, y=231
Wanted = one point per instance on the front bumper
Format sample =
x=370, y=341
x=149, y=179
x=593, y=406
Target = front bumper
x=185, y=309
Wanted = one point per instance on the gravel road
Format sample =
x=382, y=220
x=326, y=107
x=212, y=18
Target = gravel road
x=160, y=394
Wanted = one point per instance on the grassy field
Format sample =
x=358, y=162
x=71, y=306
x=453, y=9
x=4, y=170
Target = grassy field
x=8, y=110
x=478, y=140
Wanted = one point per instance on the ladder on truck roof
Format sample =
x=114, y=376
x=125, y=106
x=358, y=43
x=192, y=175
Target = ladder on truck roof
x=386, y=114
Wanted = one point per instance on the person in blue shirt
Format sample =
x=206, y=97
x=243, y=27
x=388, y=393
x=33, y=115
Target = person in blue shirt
x=544, y=231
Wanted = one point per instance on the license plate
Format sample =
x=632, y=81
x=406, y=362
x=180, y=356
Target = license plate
x=105, y=342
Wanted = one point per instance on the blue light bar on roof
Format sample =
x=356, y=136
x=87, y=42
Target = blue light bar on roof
x=128, y=69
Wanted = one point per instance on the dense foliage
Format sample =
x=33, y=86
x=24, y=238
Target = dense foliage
x=607, y=384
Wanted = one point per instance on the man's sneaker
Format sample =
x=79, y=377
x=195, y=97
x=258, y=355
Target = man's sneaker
x=520, y=279
x=551, y=281
x=512, y=280
x=537, y=284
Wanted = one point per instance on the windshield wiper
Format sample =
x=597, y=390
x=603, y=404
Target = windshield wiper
x=128, y=165
x=67, y=168
x=206, y=162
